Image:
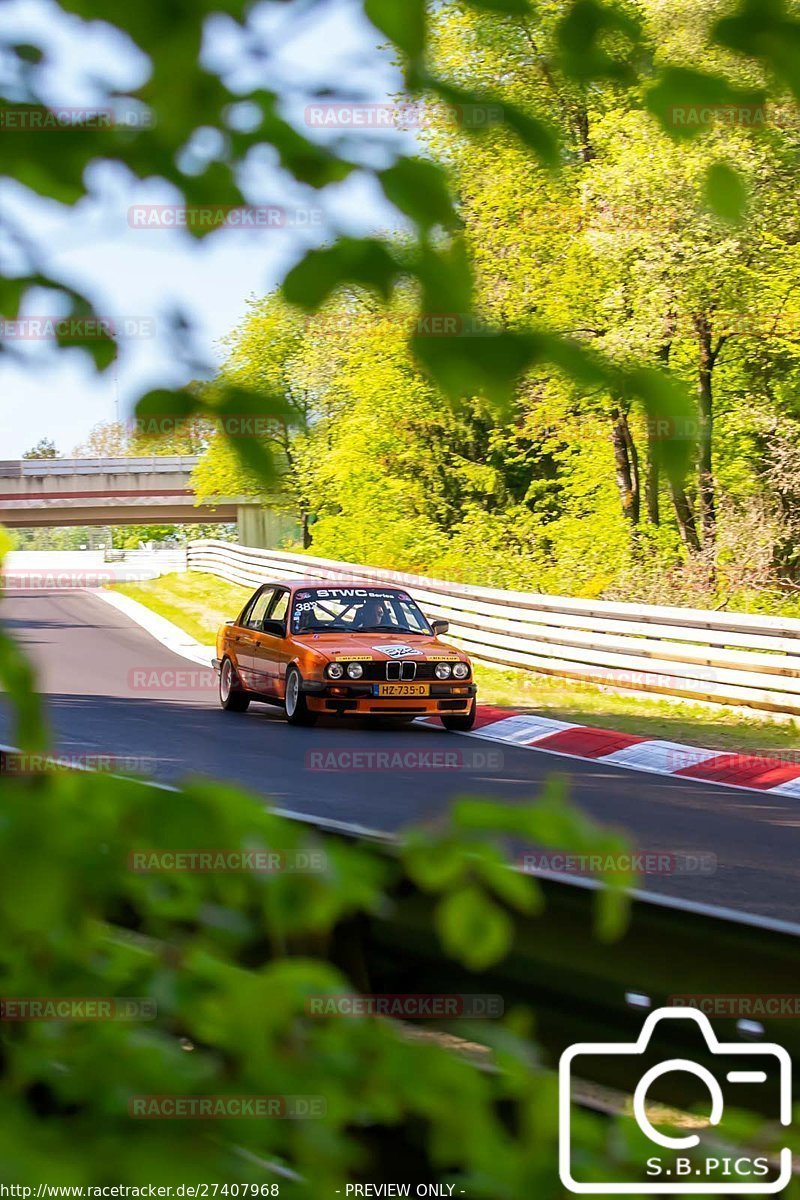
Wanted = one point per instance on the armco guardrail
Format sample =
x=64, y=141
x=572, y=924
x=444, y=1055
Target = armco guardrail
x=172, y=558
x=726, y=658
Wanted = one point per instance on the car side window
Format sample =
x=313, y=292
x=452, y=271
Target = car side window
x=255, y=618
x=280, y=607
x=245, y=613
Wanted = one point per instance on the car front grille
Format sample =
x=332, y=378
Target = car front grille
x=407, y=670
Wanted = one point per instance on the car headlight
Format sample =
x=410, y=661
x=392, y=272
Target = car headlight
x=442, y=670
x=334, y=670
x=461, y=670
x=355, y=670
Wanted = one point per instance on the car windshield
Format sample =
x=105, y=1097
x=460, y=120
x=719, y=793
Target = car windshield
x=356, y=610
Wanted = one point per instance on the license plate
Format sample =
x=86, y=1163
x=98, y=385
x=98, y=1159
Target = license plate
x=402, y=689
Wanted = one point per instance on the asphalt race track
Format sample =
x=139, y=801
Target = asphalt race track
x=112, y=689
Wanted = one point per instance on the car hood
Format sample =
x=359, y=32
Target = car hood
x=381, y=647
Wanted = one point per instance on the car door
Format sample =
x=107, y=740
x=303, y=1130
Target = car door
x=245, y=637
x=270, y=653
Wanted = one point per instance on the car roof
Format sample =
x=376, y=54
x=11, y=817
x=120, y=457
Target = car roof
x=311, y=582
x=294, y=584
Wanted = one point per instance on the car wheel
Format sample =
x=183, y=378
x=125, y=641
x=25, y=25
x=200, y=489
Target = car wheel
x=294, y=701
x=232, y=697
x=461, y=724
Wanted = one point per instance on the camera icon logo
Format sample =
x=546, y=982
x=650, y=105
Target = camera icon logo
x=671, y=1170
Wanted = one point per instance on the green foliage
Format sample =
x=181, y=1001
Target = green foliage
x=44, y=448
x=477, y=885
x=726, y=194
x=473, y=928
x=230, y=963
x=403, y=21
x=765, y=30
x=681, y=88
x=17, y=678
x=419, y=189
x=532, y=132
x=351, y=260
x=129, y=537
x=583, y=34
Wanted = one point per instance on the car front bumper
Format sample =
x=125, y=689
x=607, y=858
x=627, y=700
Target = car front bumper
x=349, y=699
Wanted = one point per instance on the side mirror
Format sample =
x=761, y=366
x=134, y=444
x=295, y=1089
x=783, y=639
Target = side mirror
x=440, y=627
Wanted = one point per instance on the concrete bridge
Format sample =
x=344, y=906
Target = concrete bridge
x=125, y=491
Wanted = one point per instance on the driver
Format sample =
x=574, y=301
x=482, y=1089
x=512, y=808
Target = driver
x=304, y=620
x=373, y=613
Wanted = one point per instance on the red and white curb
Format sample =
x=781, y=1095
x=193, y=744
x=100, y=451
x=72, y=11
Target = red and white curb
x=532, y=732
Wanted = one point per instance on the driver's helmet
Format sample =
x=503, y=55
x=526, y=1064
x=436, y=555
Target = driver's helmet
x=305, y=619
x=374, y=612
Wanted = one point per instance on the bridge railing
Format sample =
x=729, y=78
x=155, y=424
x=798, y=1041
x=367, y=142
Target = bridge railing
x=725, y=658
x=155, y=464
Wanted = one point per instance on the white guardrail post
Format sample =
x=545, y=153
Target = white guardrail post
x=725, y=658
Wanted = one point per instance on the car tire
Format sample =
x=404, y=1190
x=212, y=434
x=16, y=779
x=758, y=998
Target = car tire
x=294, y=701
x=461, y=724
x=232, y=695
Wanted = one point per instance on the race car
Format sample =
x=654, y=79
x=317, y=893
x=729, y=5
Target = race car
x=343, y=651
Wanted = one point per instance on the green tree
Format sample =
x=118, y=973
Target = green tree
x=44, y=448
x=620, y=249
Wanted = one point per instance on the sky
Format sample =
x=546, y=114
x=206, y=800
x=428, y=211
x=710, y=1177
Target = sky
x=142, y=279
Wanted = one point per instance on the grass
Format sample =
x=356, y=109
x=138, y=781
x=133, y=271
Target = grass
x=196, y=602
x=200, y=603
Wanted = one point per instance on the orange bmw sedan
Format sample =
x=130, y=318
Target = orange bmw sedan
x=343, y=651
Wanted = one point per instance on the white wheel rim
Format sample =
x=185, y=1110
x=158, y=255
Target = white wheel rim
x=292, y=692
x=225, y=682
